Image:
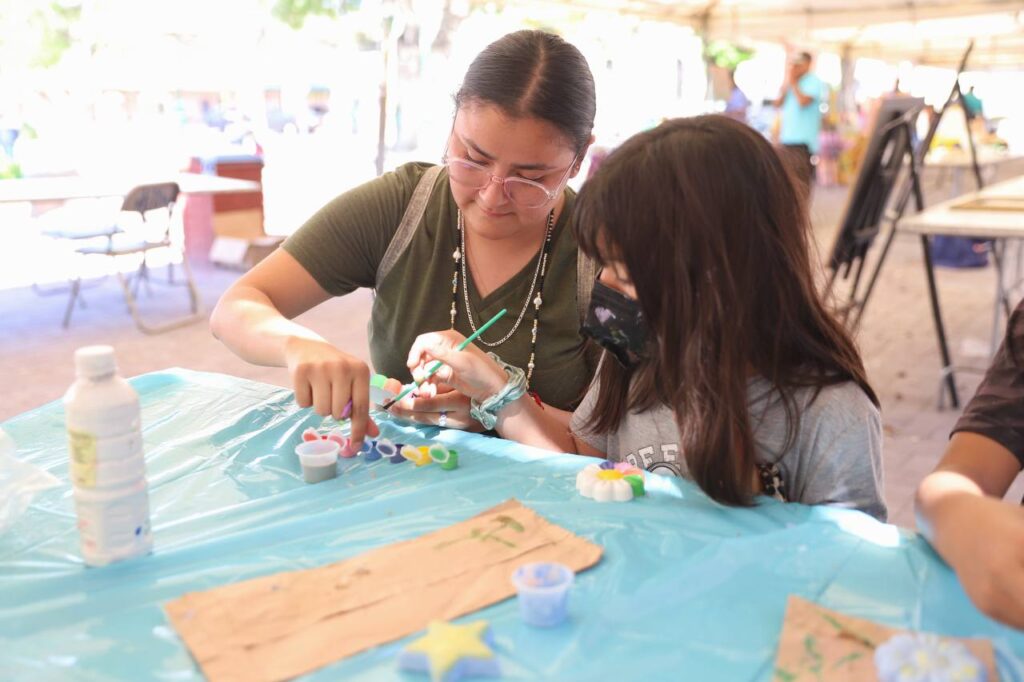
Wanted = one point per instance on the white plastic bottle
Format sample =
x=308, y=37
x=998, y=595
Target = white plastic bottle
x=108, y=468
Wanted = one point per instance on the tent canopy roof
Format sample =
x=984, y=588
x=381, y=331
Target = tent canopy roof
x=924, y=31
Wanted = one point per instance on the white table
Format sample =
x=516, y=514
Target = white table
x=39, y=190
x=956, y=163
x=63, y=188
x=999, y=225
x=941, y=157
x=945, y=218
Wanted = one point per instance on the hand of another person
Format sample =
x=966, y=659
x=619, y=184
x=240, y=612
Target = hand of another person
x=326, y=379
x=471, y=371
x=982, y=538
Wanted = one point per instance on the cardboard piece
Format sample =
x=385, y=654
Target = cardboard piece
x=821, y=645
x=287, y=624
x=996, y=203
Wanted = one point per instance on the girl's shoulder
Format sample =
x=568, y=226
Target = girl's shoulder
x=838, y=420
x=834, y=407
x=840, y=403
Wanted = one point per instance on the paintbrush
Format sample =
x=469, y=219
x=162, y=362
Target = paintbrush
x=437, y=365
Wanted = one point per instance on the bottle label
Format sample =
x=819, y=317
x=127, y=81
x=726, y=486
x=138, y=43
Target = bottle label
x=114, y=529
x=83, y=458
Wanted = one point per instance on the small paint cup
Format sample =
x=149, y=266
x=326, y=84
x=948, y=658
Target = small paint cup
x=397, y=458
x=382, y=448
x=319, y=460
x=448, y=459
x=543, y=590
x=347, y=450
x=417, y=455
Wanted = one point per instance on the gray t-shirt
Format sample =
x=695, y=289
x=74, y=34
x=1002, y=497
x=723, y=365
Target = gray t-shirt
x=835, y=458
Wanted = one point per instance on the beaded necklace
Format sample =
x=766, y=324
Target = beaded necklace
x=537, y=286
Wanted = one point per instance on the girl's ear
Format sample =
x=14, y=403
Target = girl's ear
x=581, y=158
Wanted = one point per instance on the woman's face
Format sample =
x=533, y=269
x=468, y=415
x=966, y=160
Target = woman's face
x=508, y=147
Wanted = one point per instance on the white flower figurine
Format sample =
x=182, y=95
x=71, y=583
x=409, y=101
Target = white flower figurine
x=922, y=657
x=610, y=482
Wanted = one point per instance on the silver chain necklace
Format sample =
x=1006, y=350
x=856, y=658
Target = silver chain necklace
x=538, y=277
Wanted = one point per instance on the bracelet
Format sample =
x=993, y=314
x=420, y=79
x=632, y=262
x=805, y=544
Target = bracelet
x=486, y=411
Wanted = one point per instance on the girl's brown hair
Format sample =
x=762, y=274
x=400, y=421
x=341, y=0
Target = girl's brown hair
x=708, y=221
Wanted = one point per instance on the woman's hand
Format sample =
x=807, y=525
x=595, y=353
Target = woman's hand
x=326, y=379
x=470, y=372
x=437, y=405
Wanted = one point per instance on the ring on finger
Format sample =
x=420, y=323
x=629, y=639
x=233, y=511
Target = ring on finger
x=442, y=420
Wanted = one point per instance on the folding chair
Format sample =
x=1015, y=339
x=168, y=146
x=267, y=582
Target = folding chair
x=153, y=206
x=78, y=222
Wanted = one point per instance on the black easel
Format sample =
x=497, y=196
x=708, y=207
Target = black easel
x=890, y=149
x=856, y=236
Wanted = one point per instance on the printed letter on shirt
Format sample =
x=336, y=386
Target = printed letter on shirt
x=669, y=452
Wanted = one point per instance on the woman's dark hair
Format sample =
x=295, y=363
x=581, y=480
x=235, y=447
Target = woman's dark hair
x=708, y=221
x=537, y=74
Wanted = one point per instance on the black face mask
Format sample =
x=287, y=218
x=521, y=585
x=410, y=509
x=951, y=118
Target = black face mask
x=616, y=322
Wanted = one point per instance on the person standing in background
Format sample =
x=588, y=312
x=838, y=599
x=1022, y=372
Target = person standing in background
x=737, y=104
x=800, y=105
x=831, y=149
x=972, y=104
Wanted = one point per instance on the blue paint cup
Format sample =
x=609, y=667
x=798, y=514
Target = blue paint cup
x=543, y=590
x=397, y=458
x=382, y=447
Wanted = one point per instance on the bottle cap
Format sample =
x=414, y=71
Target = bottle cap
x=94, y=361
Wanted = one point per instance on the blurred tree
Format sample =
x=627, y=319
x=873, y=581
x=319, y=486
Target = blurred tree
x=36, y=33
x=54, y=24
x=726, y=55
x=402, y=31
x=295, y=12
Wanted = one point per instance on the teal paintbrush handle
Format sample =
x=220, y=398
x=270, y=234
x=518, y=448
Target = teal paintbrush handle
x=437, y=365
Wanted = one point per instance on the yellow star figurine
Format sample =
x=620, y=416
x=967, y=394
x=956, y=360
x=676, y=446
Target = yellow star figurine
x=452, y=652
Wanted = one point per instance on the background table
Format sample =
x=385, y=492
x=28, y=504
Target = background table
x=75, y=187
x=198, y=188
x=957, y=163
x=686, y=589
x=998, y=225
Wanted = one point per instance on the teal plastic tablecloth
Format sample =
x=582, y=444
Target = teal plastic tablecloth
x=686, y=589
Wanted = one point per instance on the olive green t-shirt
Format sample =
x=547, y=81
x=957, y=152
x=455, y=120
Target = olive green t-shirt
x=344, y=242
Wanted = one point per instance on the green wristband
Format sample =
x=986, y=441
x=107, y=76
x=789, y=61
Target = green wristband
x=486, y=411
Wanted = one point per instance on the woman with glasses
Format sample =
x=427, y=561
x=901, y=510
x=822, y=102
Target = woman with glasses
x=445, y=247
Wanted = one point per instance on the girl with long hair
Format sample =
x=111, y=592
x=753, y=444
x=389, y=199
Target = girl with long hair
x=722, y=363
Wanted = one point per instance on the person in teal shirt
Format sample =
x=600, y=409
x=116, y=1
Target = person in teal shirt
x=800, y=103
x=972, y=103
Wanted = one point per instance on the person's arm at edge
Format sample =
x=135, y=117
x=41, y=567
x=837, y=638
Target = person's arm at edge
x=973, y=466
x=961, y=501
